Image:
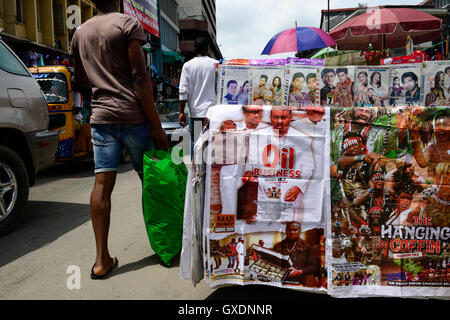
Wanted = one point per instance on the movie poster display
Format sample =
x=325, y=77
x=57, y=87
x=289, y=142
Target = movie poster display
x=300, y=84
x=371, y=87
x=388, y=228
x=233, y=84
x=436, y=83
x=292, y=257
x=404, y=89
x=336, y=86
x=267, y=81
x=345, y=196
x=265, y=180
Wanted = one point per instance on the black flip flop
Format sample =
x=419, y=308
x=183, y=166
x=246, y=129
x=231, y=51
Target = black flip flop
x=103, y=276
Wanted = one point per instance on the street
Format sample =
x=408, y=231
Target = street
x=55, y=238
x=56, y=233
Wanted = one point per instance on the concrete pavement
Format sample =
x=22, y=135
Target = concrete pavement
x=55, y=240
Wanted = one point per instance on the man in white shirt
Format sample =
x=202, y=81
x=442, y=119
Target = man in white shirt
x=281, y=160
x=197, y=88
x=231, y=174
x=315, y=125
x=240, y=248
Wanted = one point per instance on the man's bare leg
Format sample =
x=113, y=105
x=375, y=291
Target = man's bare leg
x=100, y=216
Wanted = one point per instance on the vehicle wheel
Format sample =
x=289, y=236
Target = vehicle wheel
x=14, y=189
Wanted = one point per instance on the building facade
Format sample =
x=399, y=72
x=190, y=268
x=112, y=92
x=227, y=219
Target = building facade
x=169, y=32
x=197, y=18
x=436, y=3
x=44, y=26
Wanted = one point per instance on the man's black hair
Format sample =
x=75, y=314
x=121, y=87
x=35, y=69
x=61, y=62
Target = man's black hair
x=201, y=45
x=290, y=223
x=264, y=76
x=245, y=107
x=231, y=82
x=102, y=3
x=327, y=70
x=298, y=75
x=339, y=70
x=311, y=75
x=412, y=75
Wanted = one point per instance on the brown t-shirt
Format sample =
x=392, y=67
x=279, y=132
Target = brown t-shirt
x=101, y=43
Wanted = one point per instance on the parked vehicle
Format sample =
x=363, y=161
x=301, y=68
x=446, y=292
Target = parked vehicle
x=169, y=111
x=65, y=117
x=26, y=144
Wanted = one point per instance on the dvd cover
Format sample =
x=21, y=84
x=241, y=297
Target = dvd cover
x=266, y=81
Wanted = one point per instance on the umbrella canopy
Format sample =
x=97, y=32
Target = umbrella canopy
x=394, y=24
x=298, y=39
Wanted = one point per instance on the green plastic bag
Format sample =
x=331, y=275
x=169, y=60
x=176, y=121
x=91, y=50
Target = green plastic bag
x=163, y=194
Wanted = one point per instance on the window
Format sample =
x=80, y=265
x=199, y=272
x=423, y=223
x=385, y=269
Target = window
x=19, y=11
x=10, y=63
x=54, y=86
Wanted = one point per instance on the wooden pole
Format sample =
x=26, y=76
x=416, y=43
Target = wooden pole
x=328, y=17
x=446, y=49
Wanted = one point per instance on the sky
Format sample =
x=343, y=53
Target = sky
x=245, y=26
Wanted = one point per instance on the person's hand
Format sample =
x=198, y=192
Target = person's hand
x=159, y=138
x=205, y=124
x=227, y=125
x=414, y=129
x=182, y=119
x=295, y=272
x=292, y=194
x=370, y=157
x=252, y=219
x=340, y=116
x=248, y=176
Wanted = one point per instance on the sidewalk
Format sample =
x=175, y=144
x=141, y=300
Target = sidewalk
x=57, y=234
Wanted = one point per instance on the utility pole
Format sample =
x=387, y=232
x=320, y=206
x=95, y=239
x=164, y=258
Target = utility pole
x=328, y=17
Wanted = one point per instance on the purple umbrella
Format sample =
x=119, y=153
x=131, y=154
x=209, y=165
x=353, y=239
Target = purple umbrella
x=298, y=39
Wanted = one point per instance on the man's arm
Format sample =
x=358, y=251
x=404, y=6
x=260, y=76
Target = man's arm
x=182, y=116
x=184, y=94
x=361, y=197
x=80, y=75
x=144, y=92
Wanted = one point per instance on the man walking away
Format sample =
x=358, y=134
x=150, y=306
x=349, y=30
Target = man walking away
x=197, y=88
x=108, y=58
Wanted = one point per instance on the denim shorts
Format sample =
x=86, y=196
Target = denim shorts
x=109, y=140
